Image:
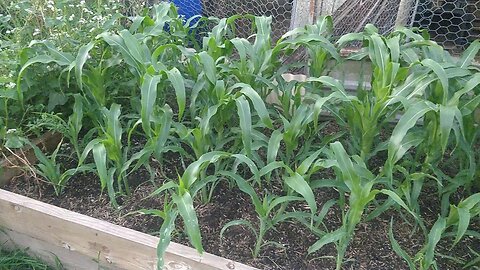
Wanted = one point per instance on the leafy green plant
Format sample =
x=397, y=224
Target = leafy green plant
x=51, y=170
x=394, y=79
x=458, y=221
x=19, y=259
x=355, y=179
x=269, y=210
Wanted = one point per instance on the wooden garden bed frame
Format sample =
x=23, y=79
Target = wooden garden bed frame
x=81, y=242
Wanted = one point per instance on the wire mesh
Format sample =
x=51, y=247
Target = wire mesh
x=452, y=23
x=280, y=10
x=352, y=16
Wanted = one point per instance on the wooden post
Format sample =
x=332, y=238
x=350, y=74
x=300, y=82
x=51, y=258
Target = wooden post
x=404, y=12
x=303, y=12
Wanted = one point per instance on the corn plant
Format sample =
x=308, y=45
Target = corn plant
x=182, y=194
x=51, y=170
x=109, y=154
x=394, y=79
x=457, y=220
x=356, y=180
x=322, y=54
x=269, y=210
x=449, y=103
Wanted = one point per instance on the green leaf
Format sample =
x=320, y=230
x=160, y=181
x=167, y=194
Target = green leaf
x=178, y=83
x=274, y=145
x=55, y=99
x=469, y=54
x=381, y=55
x=440, y=72
x=257, y=101
x=447, y=115
x=247, y=188
x=166, y=230
x=305, y=165
x=463, y=223
x=471, y=84
x=105, y=175
x=297, y=183
x=406, y=122
x=351, y=178
x=239, y=222
x=133, y=46
x=185, y=208
x=334, y=84
x=44, y=59
x=434, y=237
x=148, y=100
x=209, y=66
x=243, y=109
x=398, y=249
x=328, y=238
x=117, y=42
x=80, y=60
x=191, y=173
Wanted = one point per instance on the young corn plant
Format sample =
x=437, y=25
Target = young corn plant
x=354, y=179
x=271, y=209
x=51, y=170
x=457, y=220
x=393, y=80
x=109, y=154
x=181, y=194
x=216, y=128
x=316, y=38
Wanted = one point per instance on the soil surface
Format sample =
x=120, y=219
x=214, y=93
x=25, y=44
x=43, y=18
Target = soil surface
x=369, y=249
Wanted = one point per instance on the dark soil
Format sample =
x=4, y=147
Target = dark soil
x=369, y=249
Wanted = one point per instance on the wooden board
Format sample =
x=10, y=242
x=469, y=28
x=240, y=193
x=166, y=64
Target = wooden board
x=13, y=164
x=82, y=242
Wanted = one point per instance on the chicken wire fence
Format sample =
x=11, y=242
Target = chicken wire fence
x=452, y=23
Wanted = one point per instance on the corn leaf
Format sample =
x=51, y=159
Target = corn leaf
x=297, y=183
x=243, y=109
x=168, y=225
x=148, y=100
x=328, y=238
x=80, y=60
x=185, y=208
x=178, y=83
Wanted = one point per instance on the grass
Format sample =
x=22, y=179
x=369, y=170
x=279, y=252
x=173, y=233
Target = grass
x=20, y=260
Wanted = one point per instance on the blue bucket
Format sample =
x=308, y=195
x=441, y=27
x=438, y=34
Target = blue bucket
x=188, y=8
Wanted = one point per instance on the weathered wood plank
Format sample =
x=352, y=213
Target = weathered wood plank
x=45, y=251
x=51, y=228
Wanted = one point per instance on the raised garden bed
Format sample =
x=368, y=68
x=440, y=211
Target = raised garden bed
x=79, y=241
x=370, y=248
x=194, y=134
x=82, y=242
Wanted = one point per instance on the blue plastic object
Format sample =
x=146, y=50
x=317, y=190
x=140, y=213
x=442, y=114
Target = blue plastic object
x=188, y=8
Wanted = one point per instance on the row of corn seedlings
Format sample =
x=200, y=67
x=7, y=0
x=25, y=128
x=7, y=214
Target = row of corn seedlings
x=195, y=88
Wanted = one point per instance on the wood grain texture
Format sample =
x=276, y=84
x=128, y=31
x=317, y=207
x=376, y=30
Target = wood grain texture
x=48, y=229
